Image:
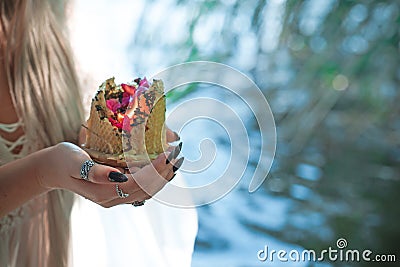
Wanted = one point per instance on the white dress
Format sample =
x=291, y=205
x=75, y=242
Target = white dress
x=150, y=235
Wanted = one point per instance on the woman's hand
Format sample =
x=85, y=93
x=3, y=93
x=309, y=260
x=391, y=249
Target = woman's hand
x=60, y=168
x=145, y=182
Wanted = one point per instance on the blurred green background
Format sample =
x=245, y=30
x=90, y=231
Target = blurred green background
x=330, y=71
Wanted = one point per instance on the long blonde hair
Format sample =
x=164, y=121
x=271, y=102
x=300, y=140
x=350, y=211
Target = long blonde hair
x=41, y=74
x=45, y=92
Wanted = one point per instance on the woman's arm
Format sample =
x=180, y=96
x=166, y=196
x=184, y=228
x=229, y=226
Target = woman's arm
x=51, y=168
x=19, y=183
x=59, y=167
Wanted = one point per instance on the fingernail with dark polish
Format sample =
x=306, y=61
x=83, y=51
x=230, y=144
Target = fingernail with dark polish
x=170, y=156
x=177, y=150
x=117, y=177
x=178, y=164
x=180, y=147
x=174, y=153
x=177, y=137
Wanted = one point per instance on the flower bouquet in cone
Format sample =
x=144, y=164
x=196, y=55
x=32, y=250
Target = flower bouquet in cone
x=126, y=123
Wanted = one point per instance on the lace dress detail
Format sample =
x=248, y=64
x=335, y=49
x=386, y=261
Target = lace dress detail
x=6, y=148
x=10, y=220
x=11, y=145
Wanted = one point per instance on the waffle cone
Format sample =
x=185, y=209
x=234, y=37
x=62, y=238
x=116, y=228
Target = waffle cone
x=146, y=139
x=155, y=136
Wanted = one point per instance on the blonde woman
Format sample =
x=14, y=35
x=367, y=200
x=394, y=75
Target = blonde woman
x=40, y=118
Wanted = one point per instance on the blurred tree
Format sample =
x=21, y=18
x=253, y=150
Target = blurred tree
x=330, y=71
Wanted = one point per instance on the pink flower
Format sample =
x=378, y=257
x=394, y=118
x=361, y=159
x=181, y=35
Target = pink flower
x=115, y=123
x=113, y=104
x=144, y=83
x=125, y=99
x=126, y=124
x=130, y=89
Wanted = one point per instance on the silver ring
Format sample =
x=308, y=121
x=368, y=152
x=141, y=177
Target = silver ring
x=86, y=168
x=120, y=193
x=138, y=203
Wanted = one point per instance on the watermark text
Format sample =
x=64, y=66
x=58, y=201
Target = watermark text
x=340, y=253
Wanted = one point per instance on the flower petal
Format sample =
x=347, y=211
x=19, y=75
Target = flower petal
x=126, y=124
x=113, y=104
x=144, y=83
x=125, y=99
x=130, y=89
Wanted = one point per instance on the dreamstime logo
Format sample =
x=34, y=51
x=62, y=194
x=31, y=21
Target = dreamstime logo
x=331, y=254
x=215, y=110
x=341, y=243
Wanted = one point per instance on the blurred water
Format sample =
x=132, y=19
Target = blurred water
x=330, y=70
